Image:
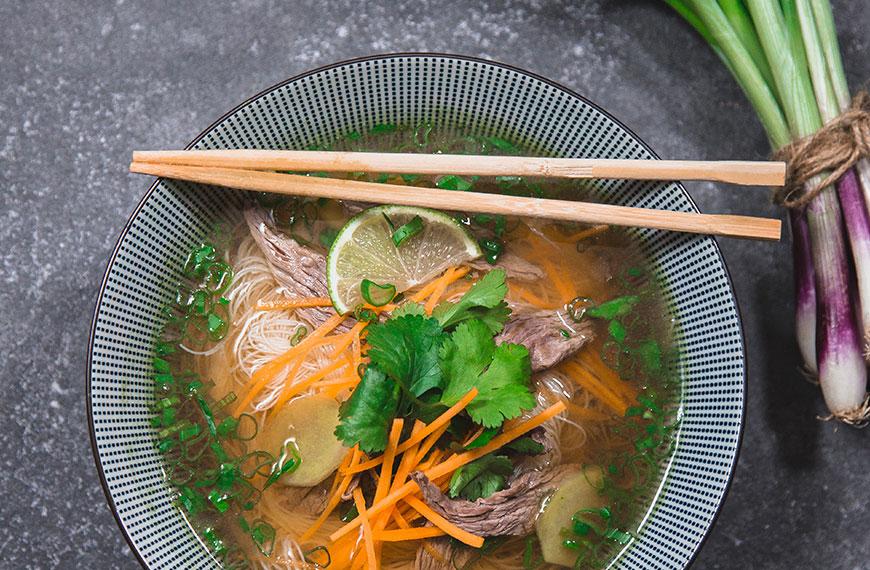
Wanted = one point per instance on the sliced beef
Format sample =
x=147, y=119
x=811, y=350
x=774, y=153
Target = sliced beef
x=550, y=336
x=515, y=266
x=300, y=270
x=442, y=553
x=511, y=511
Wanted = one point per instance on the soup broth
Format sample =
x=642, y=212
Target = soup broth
x=239, y=348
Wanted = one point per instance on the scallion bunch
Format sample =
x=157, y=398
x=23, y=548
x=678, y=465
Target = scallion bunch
x=785, y=56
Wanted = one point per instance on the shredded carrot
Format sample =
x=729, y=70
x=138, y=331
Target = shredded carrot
x=596, y=387
x=408, y=534
x=348, y=457
x=430, y=428
x=439, y=290
x=461, y=535
x=401, y=522
x=351, y=337
x=433, y=459
x=426, y=445
x=263, y=375
x=588, y=233
x=334, y=499
x=429, y=287
x=591, y=360
x=450, y=276
x=566, y=292
x=530, y=297
x=453, y=463
x=360, y=503
x=389, y=457
x=408, y=461
x=293, y=303
x=291, y=390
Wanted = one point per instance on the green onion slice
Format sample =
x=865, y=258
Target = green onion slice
x=377, y=295
x=407, y=231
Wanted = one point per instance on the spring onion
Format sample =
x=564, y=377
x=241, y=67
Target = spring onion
x=377, y=295
x=407, y=231
x=785, y=57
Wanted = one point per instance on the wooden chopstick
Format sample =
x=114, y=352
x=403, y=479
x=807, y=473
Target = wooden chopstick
x=736, y=172
x=724, y=225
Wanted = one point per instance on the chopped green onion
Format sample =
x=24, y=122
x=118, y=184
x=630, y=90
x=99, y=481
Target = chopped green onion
x=364, y=314
x=219, y=500
x=377, y=295
x=617, y=331
x=301, y=333
x=407, y=231
x=453, y=182
x=613, y=308
x=492, y=249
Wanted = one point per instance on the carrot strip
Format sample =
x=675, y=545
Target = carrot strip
x=293, y=303
x=265, y=373
x=367, y=529
x=348, y=457
x=408, y=459
x=566, y=293
x=439, y=290
x=530, y=297
x=409, y=534
x=595, y=387
x=430, y=428
x=442, y=523
x=591, y=360
x=588, y=233
x=352, y=335
x=432, y=440
x=454, y=463
x=389, y=457
x=334, y=500
x=401, y=522
x=291, y=390
x=429, y=287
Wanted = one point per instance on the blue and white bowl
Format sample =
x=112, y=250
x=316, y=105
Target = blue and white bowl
x=448, y=91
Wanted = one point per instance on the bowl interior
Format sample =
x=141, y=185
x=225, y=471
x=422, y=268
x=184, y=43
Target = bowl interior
x=448, y=91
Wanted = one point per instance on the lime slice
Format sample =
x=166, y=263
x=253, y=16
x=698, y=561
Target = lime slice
x=364, y=249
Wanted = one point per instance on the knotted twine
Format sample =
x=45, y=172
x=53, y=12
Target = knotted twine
x=833, y=149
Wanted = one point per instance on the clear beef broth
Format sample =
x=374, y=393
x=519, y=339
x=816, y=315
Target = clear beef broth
x=622, y=388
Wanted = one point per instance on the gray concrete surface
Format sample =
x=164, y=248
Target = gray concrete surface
x=84, y=83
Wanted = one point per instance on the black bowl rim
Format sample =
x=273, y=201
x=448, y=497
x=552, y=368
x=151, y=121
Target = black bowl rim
x=384, y=56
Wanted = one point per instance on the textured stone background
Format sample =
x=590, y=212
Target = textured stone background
x=84, y=83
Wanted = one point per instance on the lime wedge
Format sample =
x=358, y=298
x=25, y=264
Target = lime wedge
x=364, y=249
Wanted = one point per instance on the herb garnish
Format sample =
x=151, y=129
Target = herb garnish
x=419, y=365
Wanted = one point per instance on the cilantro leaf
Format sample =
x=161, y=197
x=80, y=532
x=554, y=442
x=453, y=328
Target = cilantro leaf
x=526, y=446
x=365, y=417
x=409, y=308
x=470, y=359
x=484, y=301
x=484, y=438
x=406, y=350
x=504, y=390
x=480, y=479
x=464, y=357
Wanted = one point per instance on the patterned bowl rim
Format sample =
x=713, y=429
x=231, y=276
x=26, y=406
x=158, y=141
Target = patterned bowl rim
x=361, y=59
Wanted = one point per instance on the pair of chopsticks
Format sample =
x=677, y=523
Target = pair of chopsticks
x=255, y=170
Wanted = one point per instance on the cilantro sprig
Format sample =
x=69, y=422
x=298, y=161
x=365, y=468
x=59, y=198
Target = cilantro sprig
x=419, y=365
